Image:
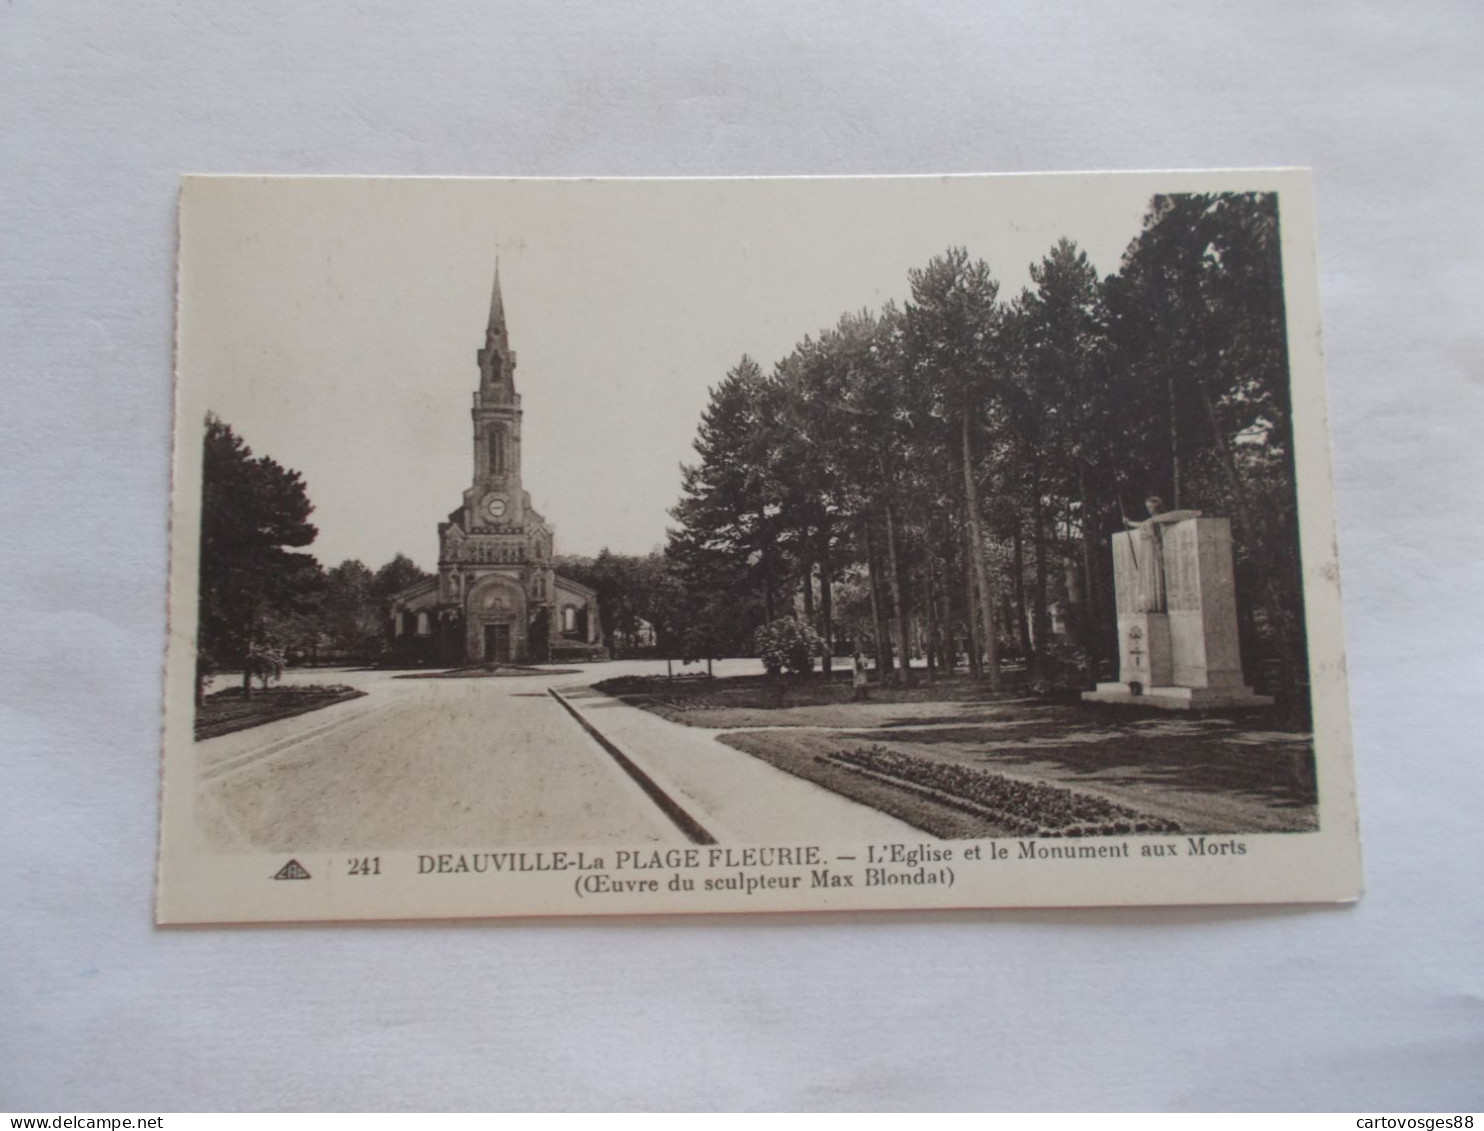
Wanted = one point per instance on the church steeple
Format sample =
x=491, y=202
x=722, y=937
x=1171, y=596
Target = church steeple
x=497, y=305
x=497, y=359
x=496, y=496
x=498, y=599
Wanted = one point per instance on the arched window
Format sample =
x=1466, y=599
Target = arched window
x=569, y=618
x=496, y=443
x=396, y=624
x=424, y=624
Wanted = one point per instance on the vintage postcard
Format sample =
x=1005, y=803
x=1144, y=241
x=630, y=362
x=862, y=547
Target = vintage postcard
x=585, y=547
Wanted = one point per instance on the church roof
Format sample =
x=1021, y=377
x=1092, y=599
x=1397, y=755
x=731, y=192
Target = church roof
x=575, y=586
x=404, y=597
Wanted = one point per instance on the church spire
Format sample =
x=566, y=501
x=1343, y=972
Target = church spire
x=497, y=359
x=497, y=310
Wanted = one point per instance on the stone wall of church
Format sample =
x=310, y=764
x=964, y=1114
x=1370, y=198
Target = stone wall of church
x=575, y=614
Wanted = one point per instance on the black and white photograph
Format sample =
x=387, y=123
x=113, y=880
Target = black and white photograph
x=610, y=547
x=704, y=557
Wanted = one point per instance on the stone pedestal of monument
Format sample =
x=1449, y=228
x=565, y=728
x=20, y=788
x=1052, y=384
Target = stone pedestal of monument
x=1185, y=654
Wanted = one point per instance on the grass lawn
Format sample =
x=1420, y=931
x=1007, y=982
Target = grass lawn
x=754, y=700
x=225, y=711
x=957, y=762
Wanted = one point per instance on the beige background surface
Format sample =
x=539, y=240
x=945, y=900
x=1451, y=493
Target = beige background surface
x=102, y=107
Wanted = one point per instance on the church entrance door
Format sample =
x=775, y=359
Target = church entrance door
x=497, y=642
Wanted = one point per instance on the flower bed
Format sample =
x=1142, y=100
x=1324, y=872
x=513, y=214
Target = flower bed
x=1025, y=808
x=223, y=712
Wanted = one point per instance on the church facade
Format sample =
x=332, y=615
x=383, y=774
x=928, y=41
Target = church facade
x=497, y=597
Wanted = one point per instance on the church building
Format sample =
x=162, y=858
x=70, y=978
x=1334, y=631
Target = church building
x=496, y=598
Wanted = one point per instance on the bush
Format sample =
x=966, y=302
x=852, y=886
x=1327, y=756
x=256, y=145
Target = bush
x=265, y=661
x=1065, y=667
x=787, y=645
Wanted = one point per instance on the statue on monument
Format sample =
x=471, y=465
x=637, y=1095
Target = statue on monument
x=1148, y=551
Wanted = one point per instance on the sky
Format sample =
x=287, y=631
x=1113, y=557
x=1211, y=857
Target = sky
x=334, y=322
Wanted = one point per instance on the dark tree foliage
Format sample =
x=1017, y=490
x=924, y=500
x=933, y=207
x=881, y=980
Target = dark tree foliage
x=353, y=620
x=349, y=614
x=398, y=574
x=943, y=480
x=254, y=517
x=1197, y=327
x=634, y=591
x=728, y=504
x=1057, y=413
x=954, y=335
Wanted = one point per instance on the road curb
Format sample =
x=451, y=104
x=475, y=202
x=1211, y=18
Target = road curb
x=687, y=824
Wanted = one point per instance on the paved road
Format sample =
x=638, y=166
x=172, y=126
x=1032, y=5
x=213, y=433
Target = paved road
x=422, y=763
